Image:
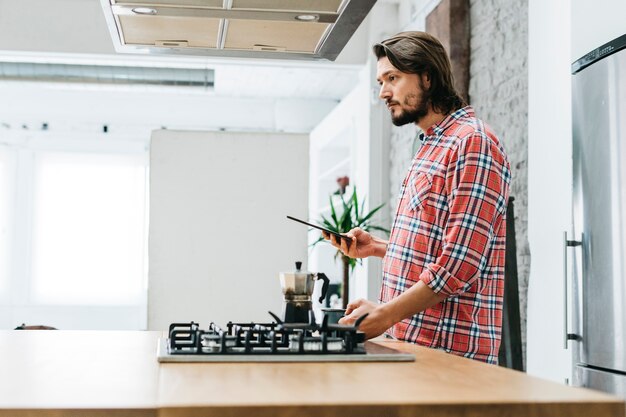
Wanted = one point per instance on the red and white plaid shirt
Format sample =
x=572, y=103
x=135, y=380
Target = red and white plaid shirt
x=449, y=232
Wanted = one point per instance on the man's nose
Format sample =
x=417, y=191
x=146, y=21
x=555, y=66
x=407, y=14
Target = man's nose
x=384, y=92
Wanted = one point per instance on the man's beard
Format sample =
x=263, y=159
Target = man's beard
x=413, y=115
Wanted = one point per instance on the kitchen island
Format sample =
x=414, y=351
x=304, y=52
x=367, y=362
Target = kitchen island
x=116, y=373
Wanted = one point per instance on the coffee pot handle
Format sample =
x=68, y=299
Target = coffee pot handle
x=323, y=277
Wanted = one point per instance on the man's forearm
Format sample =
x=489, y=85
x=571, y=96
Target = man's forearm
x=416, y=299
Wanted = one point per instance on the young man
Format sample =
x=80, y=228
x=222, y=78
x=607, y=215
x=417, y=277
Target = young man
x=443, y=266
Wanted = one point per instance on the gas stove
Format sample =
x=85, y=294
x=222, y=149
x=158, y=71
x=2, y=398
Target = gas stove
x=272, y=342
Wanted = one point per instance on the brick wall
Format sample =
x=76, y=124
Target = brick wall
x=401, y=150
x=498, y=91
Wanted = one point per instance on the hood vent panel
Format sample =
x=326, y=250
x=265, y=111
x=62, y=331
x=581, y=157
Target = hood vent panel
x=192, y=32
x=268, y=36
x=286, y=29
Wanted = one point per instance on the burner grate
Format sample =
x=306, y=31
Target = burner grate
x=265, y=339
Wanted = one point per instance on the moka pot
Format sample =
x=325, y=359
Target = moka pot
x=297, y=287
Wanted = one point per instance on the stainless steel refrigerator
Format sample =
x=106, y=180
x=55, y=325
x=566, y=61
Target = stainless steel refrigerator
x=597, y=249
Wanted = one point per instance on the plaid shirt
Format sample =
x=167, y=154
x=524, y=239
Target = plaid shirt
x=449, y=232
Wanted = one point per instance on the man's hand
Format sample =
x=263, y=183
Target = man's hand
x=374, y=324
x=363, y=244
x=382, y=316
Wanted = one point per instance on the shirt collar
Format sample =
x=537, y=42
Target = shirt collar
x=438, y=128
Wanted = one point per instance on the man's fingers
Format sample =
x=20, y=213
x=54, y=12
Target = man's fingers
x=352, y=306
x=353, y=245
x=348, y=319
x=332, y=239
x=344, y=246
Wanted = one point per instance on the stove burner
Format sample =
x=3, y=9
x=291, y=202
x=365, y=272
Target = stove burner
x=266, y=338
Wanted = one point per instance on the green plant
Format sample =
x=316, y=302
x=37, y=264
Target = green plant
x=350, y=217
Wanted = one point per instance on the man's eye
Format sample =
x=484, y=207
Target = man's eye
x=392, y=77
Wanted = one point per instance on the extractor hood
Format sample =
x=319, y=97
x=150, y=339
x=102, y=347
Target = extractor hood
x=285, y=29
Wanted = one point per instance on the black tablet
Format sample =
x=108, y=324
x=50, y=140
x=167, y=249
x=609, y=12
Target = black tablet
x=338, y=235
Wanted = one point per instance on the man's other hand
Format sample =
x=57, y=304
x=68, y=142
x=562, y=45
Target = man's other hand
x=374, y=324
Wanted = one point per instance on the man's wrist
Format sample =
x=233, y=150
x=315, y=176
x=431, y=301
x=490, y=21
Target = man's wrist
x=381, y=247
x=388, y=314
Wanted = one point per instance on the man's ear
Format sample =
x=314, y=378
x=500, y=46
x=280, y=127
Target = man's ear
x=425, y=80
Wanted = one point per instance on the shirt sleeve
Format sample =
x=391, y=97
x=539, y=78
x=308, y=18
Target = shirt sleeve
x=477, y=185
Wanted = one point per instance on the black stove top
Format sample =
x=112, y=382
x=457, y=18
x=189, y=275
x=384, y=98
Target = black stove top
x=274, y=341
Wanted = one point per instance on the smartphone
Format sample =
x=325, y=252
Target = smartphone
x=338, y=235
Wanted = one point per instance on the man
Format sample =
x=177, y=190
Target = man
x=443, y=266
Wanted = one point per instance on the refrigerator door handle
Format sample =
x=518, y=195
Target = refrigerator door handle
x=566, y=335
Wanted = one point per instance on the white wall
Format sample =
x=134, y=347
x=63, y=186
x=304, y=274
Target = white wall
x=595, y=23
x=549, y=184
x=218, y=232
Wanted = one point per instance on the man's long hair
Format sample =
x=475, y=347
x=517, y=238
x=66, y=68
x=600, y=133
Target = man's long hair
x=421, y=53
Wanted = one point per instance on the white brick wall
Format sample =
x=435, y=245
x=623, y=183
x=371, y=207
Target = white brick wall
x=400, y=154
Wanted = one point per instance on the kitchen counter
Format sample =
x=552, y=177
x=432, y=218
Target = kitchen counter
x=103, y=373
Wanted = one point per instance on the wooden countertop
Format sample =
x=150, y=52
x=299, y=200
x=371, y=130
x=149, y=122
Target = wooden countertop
x=91, y=374
x=43, y=372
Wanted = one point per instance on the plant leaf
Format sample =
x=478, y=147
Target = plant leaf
x=348, y=220
x=333, y=214
x=381, y=229
x=363, y=206
x=355, y=204
x=371, y=213
x=320, y=239
x=345, y=222
x=352, y=263
x=328, y=225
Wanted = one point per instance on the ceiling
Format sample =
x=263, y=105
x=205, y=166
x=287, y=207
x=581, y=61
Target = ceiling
x=232, y=78
x=248, y=94
x=75, y=32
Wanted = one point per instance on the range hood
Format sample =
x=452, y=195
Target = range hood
x=285, y=29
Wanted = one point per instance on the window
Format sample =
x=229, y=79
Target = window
x=76, y=240
x=88, y=228
x=6, y=232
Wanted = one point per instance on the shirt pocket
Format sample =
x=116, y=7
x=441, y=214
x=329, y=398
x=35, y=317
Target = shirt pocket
x=419, y=191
